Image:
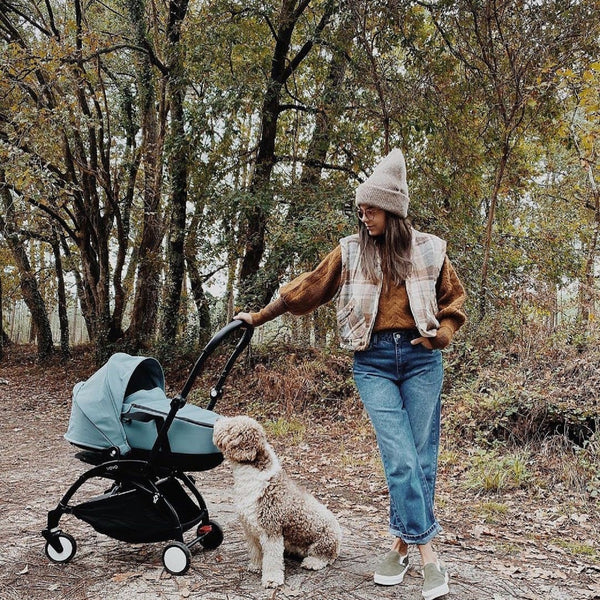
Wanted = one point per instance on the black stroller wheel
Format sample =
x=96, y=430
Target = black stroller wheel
x=210, y=534
x=69, y=547
x=177, y=558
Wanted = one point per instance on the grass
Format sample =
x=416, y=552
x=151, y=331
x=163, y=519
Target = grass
x=492, y=472
x=577, y=548
x=450, y=458
x=492, y=511
x=350, y=459
x=510, y=549
x=286, y=427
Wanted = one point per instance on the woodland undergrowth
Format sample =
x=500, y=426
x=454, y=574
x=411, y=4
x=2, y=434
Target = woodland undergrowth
x=518, y=414
x=521, y=416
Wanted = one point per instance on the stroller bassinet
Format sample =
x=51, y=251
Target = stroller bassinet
x=126, y=427
x=119, y=410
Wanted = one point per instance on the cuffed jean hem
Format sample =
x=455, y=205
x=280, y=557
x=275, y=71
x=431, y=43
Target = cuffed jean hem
x=432, y=532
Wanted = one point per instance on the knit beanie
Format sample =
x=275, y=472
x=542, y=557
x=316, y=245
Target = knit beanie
x=386, y=188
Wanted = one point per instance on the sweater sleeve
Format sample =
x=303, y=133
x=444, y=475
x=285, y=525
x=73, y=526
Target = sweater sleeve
x=307, y=292
x=451, y=298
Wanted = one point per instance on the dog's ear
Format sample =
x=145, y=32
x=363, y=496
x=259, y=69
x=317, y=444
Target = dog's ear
x=243, y=447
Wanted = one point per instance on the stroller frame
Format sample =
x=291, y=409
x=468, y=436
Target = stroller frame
x=148, y=501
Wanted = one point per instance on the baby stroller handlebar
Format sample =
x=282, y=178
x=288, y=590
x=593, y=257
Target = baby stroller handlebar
x=179, y=401
x=214, y=342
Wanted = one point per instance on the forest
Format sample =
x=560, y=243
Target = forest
x=163, y=164
x=167, y=163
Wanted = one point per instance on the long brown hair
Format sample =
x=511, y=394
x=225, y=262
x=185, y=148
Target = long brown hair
x=392, y=248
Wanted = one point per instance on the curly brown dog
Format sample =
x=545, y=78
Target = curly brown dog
x=276, y=513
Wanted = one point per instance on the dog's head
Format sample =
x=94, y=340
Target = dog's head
x=240, y=439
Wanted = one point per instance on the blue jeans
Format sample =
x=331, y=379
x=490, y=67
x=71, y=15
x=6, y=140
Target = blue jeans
x=400, y=386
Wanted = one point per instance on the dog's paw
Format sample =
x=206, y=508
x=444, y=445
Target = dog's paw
x=254, y=568
x=314, y=563
x=272, y=580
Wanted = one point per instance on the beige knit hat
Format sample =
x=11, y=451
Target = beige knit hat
x=386, y=188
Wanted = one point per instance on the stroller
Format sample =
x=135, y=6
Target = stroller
x=136, y=437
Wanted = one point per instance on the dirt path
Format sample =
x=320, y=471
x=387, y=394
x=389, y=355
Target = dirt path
x=513, y=558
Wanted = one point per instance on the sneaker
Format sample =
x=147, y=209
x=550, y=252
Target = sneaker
x=391, y=569
x=436, y=581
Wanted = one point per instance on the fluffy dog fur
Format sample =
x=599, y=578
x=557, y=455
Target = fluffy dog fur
x=276, y=514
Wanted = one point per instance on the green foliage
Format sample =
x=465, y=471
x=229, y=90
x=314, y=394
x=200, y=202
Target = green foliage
x=579, y=550
x=492, y=511
x=493, y=471
x=73, y=145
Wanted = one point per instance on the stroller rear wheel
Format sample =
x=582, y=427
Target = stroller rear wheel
x=69, y=547
x=177, y=558
x=210, y=534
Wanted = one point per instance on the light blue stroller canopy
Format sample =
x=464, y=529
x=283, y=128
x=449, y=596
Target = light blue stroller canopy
x=95, y=420
x=105, y=406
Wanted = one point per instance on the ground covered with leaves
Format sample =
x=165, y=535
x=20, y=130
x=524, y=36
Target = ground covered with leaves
x=517, y=496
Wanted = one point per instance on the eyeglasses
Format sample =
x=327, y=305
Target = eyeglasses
x=368, y=214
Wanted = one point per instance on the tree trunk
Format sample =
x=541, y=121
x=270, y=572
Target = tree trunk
x=147, y=293
x=91, y=173
x=489, y=230
x=229, y=288
x=282, y=257
x=62, y=298
x=178, y=167
x=320, y=328
x=29, y=285
x=32, y=297
x=282, y=67
x=196, y=279
x=122, y=284
x=82, y=294
x=586, y=295
x=202, y=307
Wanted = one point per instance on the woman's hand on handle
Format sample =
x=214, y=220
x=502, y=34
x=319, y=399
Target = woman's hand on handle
x=244, y=316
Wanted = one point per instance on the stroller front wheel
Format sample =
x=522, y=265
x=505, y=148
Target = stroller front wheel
x=69, y=547
x=177, y=558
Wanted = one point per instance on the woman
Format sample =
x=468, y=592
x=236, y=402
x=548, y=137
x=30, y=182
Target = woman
x=399, y=303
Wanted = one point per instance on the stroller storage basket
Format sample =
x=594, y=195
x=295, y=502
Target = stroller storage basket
x=141, y=515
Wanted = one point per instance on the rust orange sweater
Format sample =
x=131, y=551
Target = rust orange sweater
x=314, y=288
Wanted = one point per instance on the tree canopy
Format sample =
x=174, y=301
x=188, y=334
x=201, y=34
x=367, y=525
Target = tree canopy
x=149, y=150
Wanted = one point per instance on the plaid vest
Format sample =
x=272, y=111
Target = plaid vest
x=358, y=298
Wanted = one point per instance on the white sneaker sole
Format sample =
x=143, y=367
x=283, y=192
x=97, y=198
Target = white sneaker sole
x=389, y=579
x=439, y=591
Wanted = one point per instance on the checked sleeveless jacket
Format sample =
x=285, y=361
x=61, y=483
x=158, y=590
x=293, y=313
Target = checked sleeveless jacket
x=358, y=298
